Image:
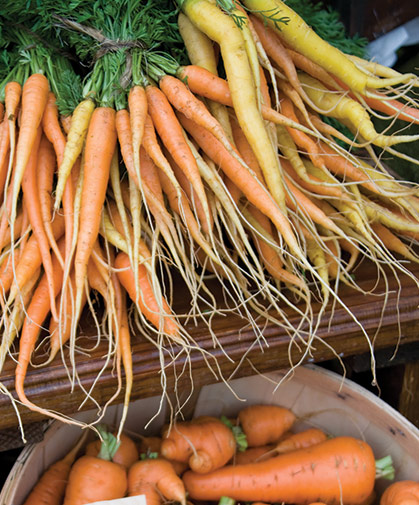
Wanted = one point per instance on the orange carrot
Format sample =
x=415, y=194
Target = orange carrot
x=33, y=206
x=99, y=150
x=403, y=492
x=263, y=424
x=12, y=96
x=206, y=443
x=170, y=132
x=159, y=314
x=126, y=454
x=157, y=480
x=37, y=311
x=4, y=153
x=255, y=192
x=393, y=108
x=325, y=472
x=94, y=479
x=254, y=454
x=301, y=139
x=30, y=259
x=137, y=103
x=301, y=440
x=34, y=99
x=50, y=488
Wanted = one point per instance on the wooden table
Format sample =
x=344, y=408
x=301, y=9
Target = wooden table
x=49, y=386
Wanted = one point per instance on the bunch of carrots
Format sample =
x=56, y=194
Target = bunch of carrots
x=194, y=147
x=261, y=456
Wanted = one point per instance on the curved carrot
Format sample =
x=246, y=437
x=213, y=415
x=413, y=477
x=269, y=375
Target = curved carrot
x=301, y=440
x=170, y=132
x=205, y=442
x=157, y=313
x=255, y=192
x=37, y=311
x=32, y=204
x=157, y=480
x=325, y=472
x=30, y=259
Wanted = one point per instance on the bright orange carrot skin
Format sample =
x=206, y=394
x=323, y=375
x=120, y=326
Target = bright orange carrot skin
x=51, y=486
x=126, y=455
x=205, y=442
x=145, y=299
x=339, y=470
x=93, y=479
x=263, y=424
x=301, y=440
x=99, y=149
x=404, y=492
x=155, y=478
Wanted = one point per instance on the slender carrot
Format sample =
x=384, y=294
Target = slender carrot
x=157, y=312
x=12, y=96
x=34, y=99
x=171, y=134
x=249, y=185
x=30, y=259
x=36, y=313
x=50, y=488
x=32, y=204
x=137, y=103
x=80, y=120
x=99, y=150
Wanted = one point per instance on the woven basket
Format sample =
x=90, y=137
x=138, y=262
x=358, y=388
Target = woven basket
x=318, y=398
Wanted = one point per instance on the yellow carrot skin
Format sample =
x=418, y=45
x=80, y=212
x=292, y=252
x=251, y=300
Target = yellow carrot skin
x=75, y=141
x=301, y=37
x=222, y=29
x=342, y=107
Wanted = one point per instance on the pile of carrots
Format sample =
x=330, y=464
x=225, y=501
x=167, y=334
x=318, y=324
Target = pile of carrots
x=215, y=164
x=199, y=461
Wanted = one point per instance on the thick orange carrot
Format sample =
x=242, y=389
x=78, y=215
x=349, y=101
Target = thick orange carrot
x=325, y=472
x=94, y=479
x=263, y=424
x=126, y=454
x=157, y=480
x=159, y=314
x=403, y=492
x=205, y=442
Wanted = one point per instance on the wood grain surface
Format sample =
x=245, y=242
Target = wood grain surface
x=341, y=332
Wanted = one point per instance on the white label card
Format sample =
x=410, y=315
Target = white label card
x=130, y=500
